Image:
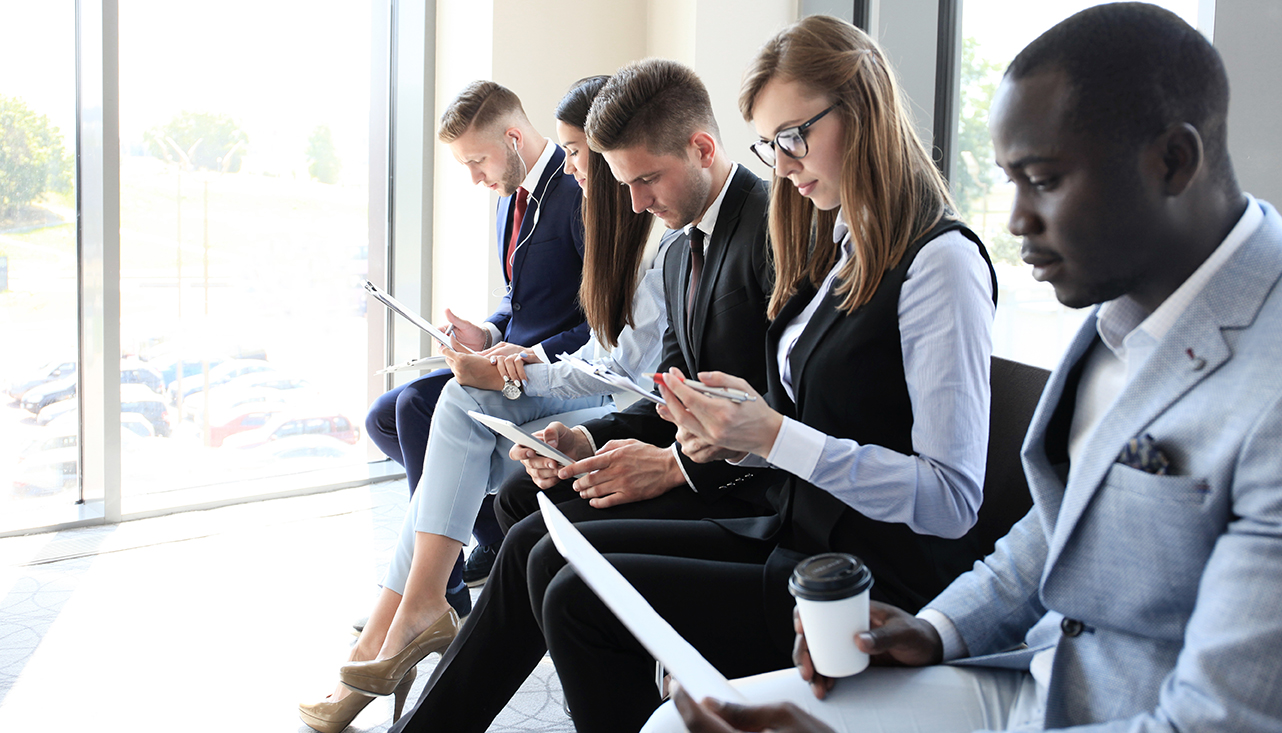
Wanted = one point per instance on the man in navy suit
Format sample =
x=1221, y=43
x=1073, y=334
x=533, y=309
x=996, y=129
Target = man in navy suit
x=540, y=240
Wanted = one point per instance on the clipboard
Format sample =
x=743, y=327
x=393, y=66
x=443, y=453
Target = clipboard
x=425, y=363
x=681, y=660
x=520, y=436
x=617, y=381
x=409, y=315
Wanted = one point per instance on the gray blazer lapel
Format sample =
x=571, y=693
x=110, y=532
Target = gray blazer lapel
x=1192, y=350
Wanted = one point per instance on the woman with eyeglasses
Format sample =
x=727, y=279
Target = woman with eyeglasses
x=878, y=399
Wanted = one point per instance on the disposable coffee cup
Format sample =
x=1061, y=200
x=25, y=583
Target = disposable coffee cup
x=832, y=597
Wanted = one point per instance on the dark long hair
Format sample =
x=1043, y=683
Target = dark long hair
x=614, y=236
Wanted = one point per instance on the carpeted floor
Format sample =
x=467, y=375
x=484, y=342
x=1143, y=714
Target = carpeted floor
x=207, y=621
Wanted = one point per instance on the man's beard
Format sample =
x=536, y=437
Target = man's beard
x=513, y=174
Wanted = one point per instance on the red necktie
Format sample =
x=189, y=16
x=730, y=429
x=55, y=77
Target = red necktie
x=517, y=216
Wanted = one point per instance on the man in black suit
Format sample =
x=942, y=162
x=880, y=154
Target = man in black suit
x=653, y=123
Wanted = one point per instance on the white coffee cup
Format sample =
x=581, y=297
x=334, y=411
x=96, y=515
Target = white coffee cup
x=832, y=597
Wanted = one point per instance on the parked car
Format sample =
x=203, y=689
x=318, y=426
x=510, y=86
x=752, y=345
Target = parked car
x=133, y=371
x=300, y=453
x=247, y=418
x=168, y=364
x=51, y=462
x=49, y=372
x=138, y=399
x=220, y=374
x=289, y=425
x=134, y=398
x=38, y=397
x=270, y=386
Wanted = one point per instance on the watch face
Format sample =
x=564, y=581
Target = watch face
x=511, y=390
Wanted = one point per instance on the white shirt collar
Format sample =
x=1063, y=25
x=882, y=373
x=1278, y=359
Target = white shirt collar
x=535, y=172
x=1122, y=320
x=709, y=220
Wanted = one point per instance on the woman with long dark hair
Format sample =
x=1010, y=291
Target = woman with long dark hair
x=624, y=305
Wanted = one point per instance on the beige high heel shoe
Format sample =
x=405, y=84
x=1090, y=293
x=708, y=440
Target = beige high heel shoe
x=333, y=717
x=381, y=677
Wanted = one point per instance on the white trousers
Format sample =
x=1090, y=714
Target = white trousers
x=939, y=699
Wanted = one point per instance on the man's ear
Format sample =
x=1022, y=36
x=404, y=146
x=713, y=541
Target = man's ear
x=705, y=147
x=1182, y=156
x=512, y=136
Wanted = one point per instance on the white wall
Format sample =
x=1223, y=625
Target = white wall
x=538, y=50
x=1246, y=34
x=728, y=34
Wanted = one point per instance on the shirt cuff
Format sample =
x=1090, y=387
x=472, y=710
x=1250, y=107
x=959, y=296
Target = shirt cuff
x=797, y=448
x=495, y=334
x=538, y=380
x=588, y=436
x=954, y=644
x=676, y=453
x=539, y=352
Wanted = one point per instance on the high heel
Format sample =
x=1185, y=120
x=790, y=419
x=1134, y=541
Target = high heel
x=383, y=676
x=333, y=717
x=402, y=692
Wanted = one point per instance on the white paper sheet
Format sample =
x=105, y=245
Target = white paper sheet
x=682, y=661
x=617, y=381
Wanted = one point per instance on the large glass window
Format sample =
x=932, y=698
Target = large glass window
x=38, y=359
x=244, y=174
x=1031, y=325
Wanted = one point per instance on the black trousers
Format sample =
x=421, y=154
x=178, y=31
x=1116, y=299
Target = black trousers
x=503, y=640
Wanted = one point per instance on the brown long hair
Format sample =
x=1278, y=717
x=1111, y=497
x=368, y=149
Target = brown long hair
x=891, y=191
x=614, y=236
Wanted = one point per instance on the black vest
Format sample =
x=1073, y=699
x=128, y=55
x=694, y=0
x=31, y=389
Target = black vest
x=848, y=375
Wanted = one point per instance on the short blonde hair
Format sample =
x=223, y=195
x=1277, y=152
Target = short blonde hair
x=481, y=104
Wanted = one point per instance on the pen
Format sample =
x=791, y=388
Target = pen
x=725, y=393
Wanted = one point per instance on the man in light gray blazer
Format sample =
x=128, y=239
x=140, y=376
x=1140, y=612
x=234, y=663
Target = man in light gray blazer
x=1143, y=592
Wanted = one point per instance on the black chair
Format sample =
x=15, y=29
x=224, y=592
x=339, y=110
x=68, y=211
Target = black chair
x=1016, y=388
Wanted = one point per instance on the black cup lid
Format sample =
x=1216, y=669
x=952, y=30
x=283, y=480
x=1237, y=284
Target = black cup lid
x=829, y=577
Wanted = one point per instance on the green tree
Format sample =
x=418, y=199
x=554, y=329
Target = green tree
x=32, y=158
x=974, y=171
x=213, y=142
x=322, y=157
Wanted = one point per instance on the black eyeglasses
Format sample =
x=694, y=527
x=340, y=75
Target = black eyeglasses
x=792, y=141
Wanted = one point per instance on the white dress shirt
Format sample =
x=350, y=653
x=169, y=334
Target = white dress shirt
x=529, y=183
x=706, y=224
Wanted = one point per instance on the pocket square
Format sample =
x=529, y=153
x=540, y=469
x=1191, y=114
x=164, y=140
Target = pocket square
x=1142, y=452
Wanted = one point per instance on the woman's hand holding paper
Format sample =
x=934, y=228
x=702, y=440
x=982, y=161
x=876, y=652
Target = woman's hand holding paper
x=711, y=428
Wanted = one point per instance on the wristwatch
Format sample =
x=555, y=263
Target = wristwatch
x=511, y=388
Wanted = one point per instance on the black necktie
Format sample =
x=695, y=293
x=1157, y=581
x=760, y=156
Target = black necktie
x=696, y=269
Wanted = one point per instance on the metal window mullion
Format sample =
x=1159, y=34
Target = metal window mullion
x=947, y=84
x=98, y=248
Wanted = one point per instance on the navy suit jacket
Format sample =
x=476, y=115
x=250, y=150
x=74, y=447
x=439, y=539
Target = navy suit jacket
x=542, y=300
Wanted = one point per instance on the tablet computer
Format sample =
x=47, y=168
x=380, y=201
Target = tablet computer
x=520, y=436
